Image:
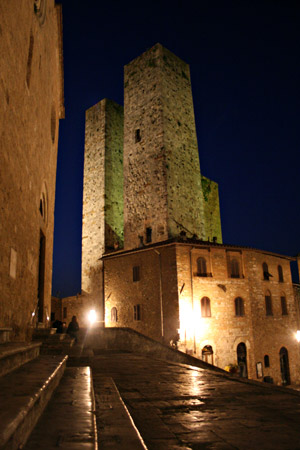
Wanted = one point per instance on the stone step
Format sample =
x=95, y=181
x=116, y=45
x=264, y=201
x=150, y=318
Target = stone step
x=5, y=333
x=116, y=428
x=40, y=334
x=57, y=344
x=69, y=420
x=24, y=394
x=15, y=354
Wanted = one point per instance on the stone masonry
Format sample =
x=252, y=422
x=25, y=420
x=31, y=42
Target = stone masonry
x=103, y=191
x=162, y=182
x=212, y=215
x=31, y=104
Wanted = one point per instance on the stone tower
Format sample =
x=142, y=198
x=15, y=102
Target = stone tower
x=102, y=223
x=162, y=180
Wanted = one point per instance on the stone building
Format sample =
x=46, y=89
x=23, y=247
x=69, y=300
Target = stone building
x=230, y=305
x=31, y=104
x=152, y=252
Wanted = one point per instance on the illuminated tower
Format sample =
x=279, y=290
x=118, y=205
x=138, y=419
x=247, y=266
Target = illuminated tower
x=102, y=221
x=162, y=180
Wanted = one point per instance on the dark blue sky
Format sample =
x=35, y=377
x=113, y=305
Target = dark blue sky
x=245, y=68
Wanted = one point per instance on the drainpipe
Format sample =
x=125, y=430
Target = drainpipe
x=192, y=296
x=160, y=295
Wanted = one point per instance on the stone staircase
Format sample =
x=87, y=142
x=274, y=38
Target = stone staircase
x=53, y=343
x=29, y=382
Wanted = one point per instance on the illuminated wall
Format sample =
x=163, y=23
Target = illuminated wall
x=31, y=104
x=162, y=181
x=102, y=215
x=212, y=215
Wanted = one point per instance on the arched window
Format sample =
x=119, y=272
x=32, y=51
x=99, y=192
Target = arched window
x=201, y=267
x=205, y=307
x=268, y=302
x=266, y=361
x=265, y=271
x=114, y=314
x=235, y=268
x=239, y=307
x=280, y=274
x=284, y=310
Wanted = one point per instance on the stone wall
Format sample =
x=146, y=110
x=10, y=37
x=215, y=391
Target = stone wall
x=102, y=217
x=31, y=104
x=114, y=224
x=155, y=291
x=93, y=205
x=212, y=215
x=162, y=184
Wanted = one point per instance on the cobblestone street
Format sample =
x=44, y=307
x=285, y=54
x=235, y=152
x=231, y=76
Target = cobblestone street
x=176, y=406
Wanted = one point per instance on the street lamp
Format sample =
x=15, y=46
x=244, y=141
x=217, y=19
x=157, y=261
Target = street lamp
x=298, y=335
x=92, y=316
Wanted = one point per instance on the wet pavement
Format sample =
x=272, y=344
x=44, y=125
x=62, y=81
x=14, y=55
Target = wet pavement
x=184, y=407
x=68, y=420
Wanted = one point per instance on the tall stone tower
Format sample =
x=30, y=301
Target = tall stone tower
x=162, y=180
x=102, y=223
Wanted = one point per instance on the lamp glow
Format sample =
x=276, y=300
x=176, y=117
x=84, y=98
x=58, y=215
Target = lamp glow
x=92, y=316
x=298, y=335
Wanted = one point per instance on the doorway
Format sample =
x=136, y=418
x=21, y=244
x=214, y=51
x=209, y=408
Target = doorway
x=284, y=366
x=208, y=354
x=41, y=280
x=242, y=359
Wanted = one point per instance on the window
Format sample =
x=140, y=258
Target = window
x=205, y=307
x=266, y=271
x=43, y=203
x=284, y=310
x=235, y=268
x=201, y=267
x=138, y=135
x=137, y=312
x=29, y=59
x=65, y=312
x=266, y=361
x=52, y=316
x=136, y=273
x=114, y=314
x=280, y=274
x=268, y=301
x=239, y=307
x=148, y=234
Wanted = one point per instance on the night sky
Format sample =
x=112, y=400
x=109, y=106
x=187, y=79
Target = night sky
x=244, y=58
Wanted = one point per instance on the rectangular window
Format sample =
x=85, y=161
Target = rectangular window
x=136, y=273
x=283, y=306
x=148, y=234
x=268, y=301
x=65, y=312
x=137, y=312
x=137, y=135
